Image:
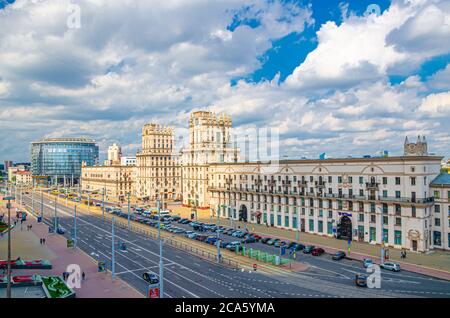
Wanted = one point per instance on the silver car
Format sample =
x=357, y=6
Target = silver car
x=391, y=266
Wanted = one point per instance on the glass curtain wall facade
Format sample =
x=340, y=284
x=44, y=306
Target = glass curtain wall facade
x=58, y=158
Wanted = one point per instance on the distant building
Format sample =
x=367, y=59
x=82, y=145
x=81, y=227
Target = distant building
x=23, y=177
x=128, y=161
x=60, y=159
x=8, y=163
x=114, y=154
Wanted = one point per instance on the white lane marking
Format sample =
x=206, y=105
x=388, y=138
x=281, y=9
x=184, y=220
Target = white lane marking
x=194, y=295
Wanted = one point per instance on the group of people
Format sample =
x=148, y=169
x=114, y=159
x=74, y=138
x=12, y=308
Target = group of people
x=403, y=254
x=42, y=240
x=29, y=227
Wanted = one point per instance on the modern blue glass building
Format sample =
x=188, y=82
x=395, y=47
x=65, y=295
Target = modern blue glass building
x=59, y=159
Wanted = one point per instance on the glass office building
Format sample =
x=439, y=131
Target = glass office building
x=58, y=159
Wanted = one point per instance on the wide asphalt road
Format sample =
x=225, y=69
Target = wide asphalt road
x=187, y=275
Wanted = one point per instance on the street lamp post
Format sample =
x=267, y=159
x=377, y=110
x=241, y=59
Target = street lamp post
x=161, y=264
x=8, y=286
x=113, y=251
x=129, y=225
x=75, y=226
x=219, y=256
x=382, y=237
x=42, y=204
x=103, y=204
x=55, y=223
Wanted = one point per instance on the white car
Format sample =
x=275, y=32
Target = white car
x=391, y=266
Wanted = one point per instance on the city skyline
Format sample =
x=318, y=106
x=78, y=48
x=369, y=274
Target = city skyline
x=379, y=88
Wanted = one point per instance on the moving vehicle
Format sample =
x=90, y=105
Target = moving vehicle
x=367, y=262
x=298, y=247
x=361, y=280
x=317, y=251
x=338, y=256
x=150, y=278
x=249, y=239
x=308, y=249
x=395, y=267
x=211, y=240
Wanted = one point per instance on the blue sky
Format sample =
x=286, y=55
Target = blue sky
x=324, y=73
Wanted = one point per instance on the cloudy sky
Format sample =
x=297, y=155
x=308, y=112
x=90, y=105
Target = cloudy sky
x=329, y=75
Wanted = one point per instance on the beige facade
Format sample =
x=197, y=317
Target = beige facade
x=116, y=180
x=440, y=221
x=23, y=177
x=357, y=198
x=158, y=172
x=210, y=142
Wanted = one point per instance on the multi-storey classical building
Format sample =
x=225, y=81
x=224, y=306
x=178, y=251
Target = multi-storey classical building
x=115, y=180
x=158, y=174
x=114, y=155
x=210, y=142
x=440, y=221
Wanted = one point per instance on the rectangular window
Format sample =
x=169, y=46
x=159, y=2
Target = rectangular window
x=437, y=208
x=385, y=235
x=286, y=221
x=361, y=217
x=279, y=220
x=372, y=235
x=398, y=237
x=398, y=221
x=413, y=211
x=320, y=226
x=437, y=222
x=361, y=180
x=311, y=225
x=384, y=180
x=330, y=228
x=413, y=181
x=397, y=180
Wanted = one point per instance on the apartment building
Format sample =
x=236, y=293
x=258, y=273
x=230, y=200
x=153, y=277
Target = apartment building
x=209, y=142
x=158, y=172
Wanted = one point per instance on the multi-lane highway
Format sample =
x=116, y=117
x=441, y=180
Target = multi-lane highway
x=187, y=275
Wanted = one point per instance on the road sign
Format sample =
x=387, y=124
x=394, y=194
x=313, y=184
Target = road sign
x=69, y=243
x=255, y=267
x=283, y=250
x=101, y=266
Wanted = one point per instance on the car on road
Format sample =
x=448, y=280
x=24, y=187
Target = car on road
x=183, y=221
x=176, y=218
x=367, y=262
x=150, y=278
x=264, y=240
x=201, y=237
x=361, y=280
x=237, y=234
x=317, y=251
x=280, y=244
x=272, y=241
x=59, y=229
x=395, y=267
x=188, y=233
x=179, y=231
x=233, y=246
x=192, y=235
x=298, y=247
x=228, y=231
x=211, y=240
x=338, y=256
x=249, y=239
x=308, y=249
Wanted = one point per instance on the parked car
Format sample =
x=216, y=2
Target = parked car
x=272, y=241
x=291, y=244
x=237, y=234
x=264, y=240
x=179, y=231
x=249, y=239
x=395, y=267
x=211, y=240
x=280, y=244
x=233, y=245
x=187, y=233
x=298, y=246
x=338, y=256
x=367, y=262
x=317, y=251
x=176, y=218
x=201, y=238
x=361, y=280
x=192, y=235
x=308, y=249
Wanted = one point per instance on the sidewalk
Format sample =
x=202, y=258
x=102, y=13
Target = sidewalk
x=435, y=263
x=26, y=244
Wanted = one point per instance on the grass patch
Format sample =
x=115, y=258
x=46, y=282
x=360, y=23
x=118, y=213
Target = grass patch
x=56, y=287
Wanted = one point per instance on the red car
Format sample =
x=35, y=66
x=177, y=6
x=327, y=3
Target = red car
x=201, y=238
x=317, y=251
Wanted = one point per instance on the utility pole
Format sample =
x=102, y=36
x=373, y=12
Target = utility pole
x=8, y=286
x=32, y=200
x=161, y=265
x=382, y=237
x=219, y=256
x=103, y=204
x=113, y=261
x=67, y=195
x=129, y=225
x=55, y=223
x=42, y=204
x=75, y=226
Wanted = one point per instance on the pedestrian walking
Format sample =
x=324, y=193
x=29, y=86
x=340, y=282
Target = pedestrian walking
x=40, y=241
x=44, y=240
x=83, y=276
